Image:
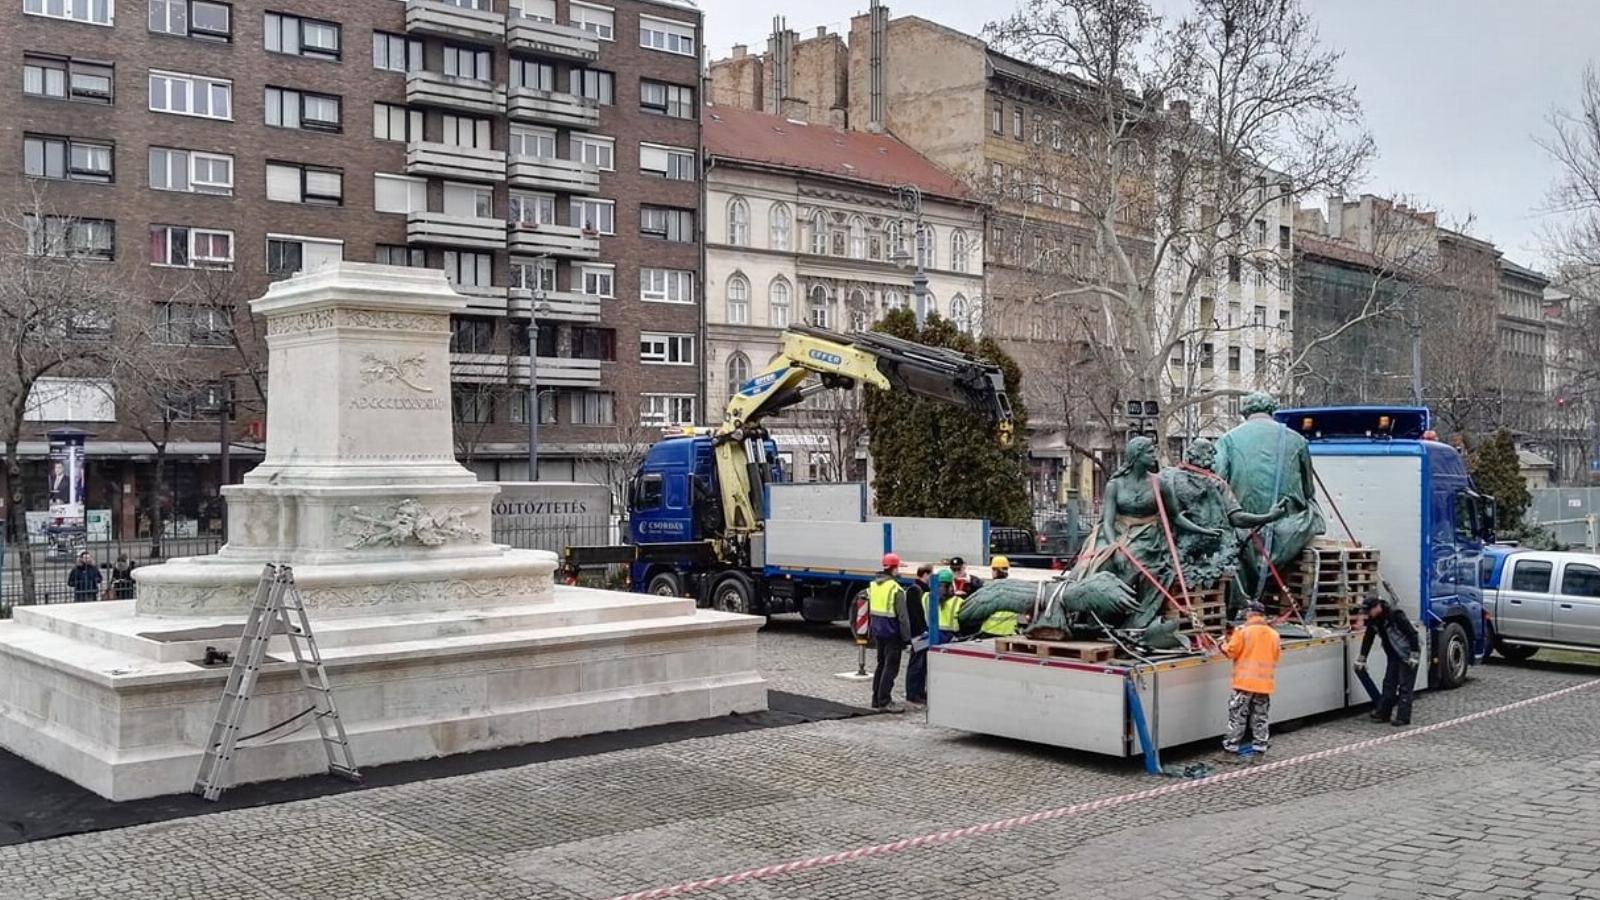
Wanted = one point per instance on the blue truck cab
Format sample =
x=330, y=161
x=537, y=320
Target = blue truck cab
x=1385, y=477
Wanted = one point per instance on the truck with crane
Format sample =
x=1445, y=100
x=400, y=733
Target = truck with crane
x=1390, y=485
x=700, y=508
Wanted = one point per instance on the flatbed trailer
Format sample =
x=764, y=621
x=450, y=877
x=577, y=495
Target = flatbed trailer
x=1098, y=707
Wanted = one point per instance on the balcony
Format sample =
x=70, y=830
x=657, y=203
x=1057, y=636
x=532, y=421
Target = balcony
x=552, y=108
x=456, y=163
x=495, y=368
x=483, y=301
x=564, y=241
x=453, y=92
x=550, y=174
x=559, y=306
x=446, y=20
x=472, y=233
x=551, y=39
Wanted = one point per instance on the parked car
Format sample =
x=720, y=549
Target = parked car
x=1535, y=599
x=1021, y=547
x=1062, y=536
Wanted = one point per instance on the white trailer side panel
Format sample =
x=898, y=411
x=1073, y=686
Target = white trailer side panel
x=930, y=539
x=826, y=546
x=817, y=502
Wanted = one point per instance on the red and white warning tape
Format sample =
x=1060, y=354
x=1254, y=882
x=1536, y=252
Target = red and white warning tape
x=1062, y=812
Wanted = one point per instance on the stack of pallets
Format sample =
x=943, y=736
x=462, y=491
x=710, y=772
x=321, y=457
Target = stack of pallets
x=1331, y=579
x=1210, y=606
x=1085, y=651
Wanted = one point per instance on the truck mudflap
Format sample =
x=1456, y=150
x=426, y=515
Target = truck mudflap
x=1084, y=706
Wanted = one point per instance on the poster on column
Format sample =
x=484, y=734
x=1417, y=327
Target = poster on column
x=68, y=526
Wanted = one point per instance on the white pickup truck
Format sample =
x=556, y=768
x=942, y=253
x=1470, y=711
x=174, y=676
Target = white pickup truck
x=1540, y=599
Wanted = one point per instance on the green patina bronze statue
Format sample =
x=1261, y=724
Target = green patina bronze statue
x=1208, y=502
x=1267, y=465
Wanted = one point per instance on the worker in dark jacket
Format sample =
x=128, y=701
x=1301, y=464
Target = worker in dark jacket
x=889, y=623
x=917, y=668
x=84, y=579
x=1404, y=652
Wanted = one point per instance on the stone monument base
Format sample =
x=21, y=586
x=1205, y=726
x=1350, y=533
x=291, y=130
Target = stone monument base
x=117, y=702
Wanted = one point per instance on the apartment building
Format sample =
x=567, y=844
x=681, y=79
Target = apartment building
x=1521, y=327
x=544, y=154
x=807, y=223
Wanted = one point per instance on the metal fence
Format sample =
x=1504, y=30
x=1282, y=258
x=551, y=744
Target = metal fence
x=50, y=570
x=1571, y=514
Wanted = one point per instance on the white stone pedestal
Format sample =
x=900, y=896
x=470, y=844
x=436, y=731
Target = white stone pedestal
x=437, y=641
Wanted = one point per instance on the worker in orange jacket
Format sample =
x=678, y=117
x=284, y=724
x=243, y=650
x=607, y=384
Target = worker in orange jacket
x=1254, y=648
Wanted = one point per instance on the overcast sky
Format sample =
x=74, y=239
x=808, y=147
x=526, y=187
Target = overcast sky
x=1455, y=91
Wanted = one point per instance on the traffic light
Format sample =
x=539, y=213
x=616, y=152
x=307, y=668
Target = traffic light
x=1142, y=418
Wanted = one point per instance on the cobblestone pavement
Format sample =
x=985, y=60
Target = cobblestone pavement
x=1507, y=806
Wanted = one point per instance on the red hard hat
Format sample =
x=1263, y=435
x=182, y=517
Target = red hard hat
x=891, y=561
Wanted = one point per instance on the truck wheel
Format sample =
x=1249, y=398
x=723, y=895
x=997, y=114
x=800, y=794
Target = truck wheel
x=1454, y=654
x=1514, y=652
x=733, y=593
x=665, y=584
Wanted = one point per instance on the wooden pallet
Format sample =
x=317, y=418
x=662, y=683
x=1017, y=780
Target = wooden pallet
x=1086, y=651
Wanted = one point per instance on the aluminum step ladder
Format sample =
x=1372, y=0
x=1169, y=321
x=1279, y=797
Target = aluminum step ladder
x=277, y=609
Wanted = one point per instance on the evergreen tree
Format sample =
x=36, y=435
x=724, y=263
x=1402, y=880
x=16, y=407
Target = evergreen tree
x=1497, y=473
x=934, y=459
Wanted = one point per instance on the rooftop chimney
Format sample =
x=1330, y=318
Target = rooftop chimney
x=740, y=50
x=822, y=31
x=1335, y=216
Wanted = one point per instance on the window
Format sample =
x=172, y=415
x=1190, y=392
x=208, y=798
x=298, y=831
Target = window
x=201, y=19
x=819, y=233
x=1284, y=237
x=66, y=79
x=1016, y=123
x=671, y=163
x=472, y=405
x=543, y=10
x=401, y=255
x=821, y=308
x=1580, y=581
x=471, y=335
x=191, y=95
x=193, y=325
x=396, y=123
x=858, y=238
x=533, y=142
x=927, y=247
x=961, y=313
x=532, y=209
x=399, y=194
x=666, y=349
x=958, y=251
x=780, y=224
x=600, y=152
x=465, y=269
x=466, y=131
x=738, y=300
x=468, y=62
x=396, y=52
x=997, y=118
x=778, y=303
x=1259, y=359
x=517, y=406
x=190, y=248
x=599, y=216
x=93, y=12
x=593, y=408
x=658, y=410
x=184, y=403
x=297, y=36
x=313, y=185
x=1234, y=269
x=667, y=285
x=528, y=73
x=469, y=201
x=738, y=372
x=191, y=171
x=667, y=223
x=287, y=255
x=587, y=343
x=665, y=99
x=1532, y=576
x=539, y=275
x=1234, y=359
x=592, y=83
x=738, y=222
x=599, y=20
x=1259, y=316
x=65, y=158
x=287, y=108
x=65, y=236
x=1208, y=356
x=597, y=280
x=666, y=35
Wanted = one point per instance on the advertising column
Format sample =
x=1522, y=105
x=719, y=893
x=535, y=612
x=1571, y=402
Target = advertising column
x=68, y=530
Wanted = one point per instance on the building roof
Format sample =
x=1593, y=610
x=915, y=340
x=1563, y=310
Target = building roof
x=754, y=137
x=1334, y=251
x=1511, y=268
x=1528, y=459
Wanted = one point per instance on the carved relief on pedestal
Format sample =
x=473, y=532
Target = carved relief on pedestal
x=407, y=523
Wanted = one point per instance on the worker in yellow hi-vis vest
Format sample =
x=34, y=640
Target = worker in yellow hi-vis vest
x=1004, y=622
x=949, y=605
x=890, y=626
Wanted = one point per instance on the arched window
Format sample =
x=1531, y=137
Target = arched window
x=958, y=251
x=932, y=301
x=738, y=300
x=819, y=233
x=738, y=372
x=860, y=311
x=821, y=312
x=780, y=225
x=894, y=239
x=927, y=247
x=892, y=301
x=858, y=238
x=738, y=222
x=778, y=303
x=961, y=313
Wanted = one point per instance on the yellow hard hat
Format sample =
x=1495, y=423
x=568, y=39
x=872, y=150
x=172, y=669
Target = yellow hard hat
x=999, y=562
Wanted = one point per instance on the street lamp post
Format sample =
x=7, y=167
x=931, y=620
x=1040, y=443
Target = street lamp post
x=910, y=199
x=537, y=306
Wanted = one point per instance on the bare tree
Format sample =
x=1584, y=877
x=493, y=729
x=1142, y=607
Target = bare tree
x=1573, y=141
x=1169, y=144
x=62, y=305
x=623, y=448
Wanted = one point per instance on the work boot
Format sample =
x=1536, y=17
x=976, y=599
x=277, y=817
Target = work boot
x=892, y=708
x=1400, y=723
x=1379, y=715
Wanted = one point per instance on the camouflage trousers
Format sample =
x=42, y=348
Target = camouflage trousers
x=1247, y=717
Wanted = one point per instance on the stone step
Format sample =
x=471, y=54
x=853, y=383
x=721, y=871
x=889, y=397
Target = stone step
x=113, y=625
